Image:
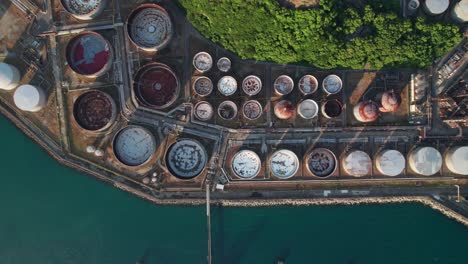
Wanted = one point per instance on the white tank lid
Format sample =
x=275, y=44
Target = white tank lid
x=457, y=160
x=308, y=109
x=437, y=6
x=246, y=164
x=28, y=97
x=390, y=162
x=8, y=76
x=134, y=145
x=357, y=163
x=425, y=161
x=284, y=164
x=461, y=10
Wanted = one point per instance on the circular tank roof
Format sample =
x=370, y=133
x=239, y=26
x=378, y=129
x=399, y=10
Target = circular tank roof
x=186, y=158
x=203, y=86
x=134, y=145
x=321, y=162
x=308, y=109
x=204, y=111
x=426, y=161
x=332, y=84
x=284, y=164
x=460, y=12
x=284, y=109
x=94, y=110
x=84, y=9
x=246, y=164
x=390, y=101
x=284, y=85
x=252, y=109
x=156, y=85
x=366, y=111
x=390, y=162
x=436, y=7
x=252, y=85
x=150, y=27
x=89, y=54
x=29, y=98
x=224, y=64
x=227, y=110
x=457, y=160
x=332, y=108
x=9, y=76
x=227, y=85
x=308, y=84
x=202, y=61
x=357, y=163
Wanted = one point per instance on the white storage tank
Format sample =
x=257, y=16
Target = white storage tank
x=460, y=11
x=366, y=111
x=29, y=98
x=357, y=163
x=456, y=160
x=134, y=145
x=284, y=164
x=436, y=7
x=425, y=161
x=9, y=76
x=390, y=162
x=246, y=164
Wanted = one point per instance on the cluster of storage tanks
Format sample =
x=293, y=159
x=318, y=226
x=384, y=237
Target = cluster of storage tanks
x=369, y=111
x=459, y=11
x=323, y=163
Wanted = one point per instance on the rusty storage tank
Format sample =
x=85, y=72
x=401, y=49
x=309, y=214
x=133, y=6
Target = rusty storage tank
x=149, y=27
x=460, y=11
x=224, y=64
x=204, y=111
x=246, y=164
x=321, y=162
x=284, y=164
x=252, y=85
x=389, y=101
x=94, y=110
x=283, y=85
x=308, y=109
x=331, y=108
x=203, y=86
x=156, y=86
x=29, y=98
x=89, y=54
x=284, y=109
x=332, y=84
x=134, y=145
x=390, y=162
x=308, y=84
x=425, y=161
x=366, y=111
x=186, y=158
x=84, y=9
x=357, y=163
x=9, y=76
x=227, y=85
x=202, y=62
x=436, y=7
x=227, y=110
x=456, y=160
x=252, y=109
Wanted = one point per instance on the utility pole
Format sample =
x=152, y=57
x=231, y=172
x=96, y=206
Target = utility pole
x=208, y=221
x=458, y=193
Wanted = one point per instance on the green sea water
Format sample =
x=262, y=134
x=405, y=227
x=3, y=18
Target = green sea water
x=52, y=214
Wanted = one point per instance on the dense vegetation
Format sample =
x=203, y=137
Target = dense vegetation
x=334, y=35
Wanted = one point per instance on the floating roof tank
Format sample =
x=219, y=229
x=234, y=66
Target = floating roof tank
x=202, y=62
x=283, y=85
x=134, y=145
x=29, y=98
x=203, y=86
x=321, y=162
x=227, y=85
x=357, y=163
x=227, y=110
x=94, y=110
x=332, y=108
x=252, y=85
x=149, y=27
x=89, y=54
x=186, y=158
x=156, y=85
x=456, y=160
x=366, y=111
x=425, y=161
x=203, y=111
x=9, y=76
x=332, y=84
x=284, y=109
x=246, y=164
x=390, y=162
x=308, y=109
x=436, y=7
x=389, y=101
x=224, y=64
x=308, y=84
x=84, y=9
x=460, y=11
x=252, y=109
x=284, y=164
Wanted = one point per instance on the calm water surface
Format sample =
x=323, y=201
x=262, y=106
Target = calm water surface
x=52, y=214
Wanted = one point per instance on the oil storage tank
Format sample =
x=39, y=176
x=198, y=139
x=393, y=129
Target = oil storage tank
x=134, y=145
x=202, y=62
x=203, y=86
x=321, y=162
x=460, y=11
x=366, y=111
x=9, y=76
x=331, y=108
x=436, y=7
x=390, y=162
x=308, y=84
x=246, y=164
x=332, y=84
x=252, y=85
x=284, y=109
x=252, y=109
x=227, y=85
x=84, y=9
x=284, y=164
x=308, y=109
x=203, y=111
x=186, y=158
x=456, y=160
x=357, y=163
x=94, y=110
x=389, y=101
x=227, y=110
x=425, y=161
x=283, y=85
x=29, y=98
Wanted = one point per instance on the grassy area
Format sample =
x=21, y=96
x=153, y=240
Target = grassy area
x=336, y=34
